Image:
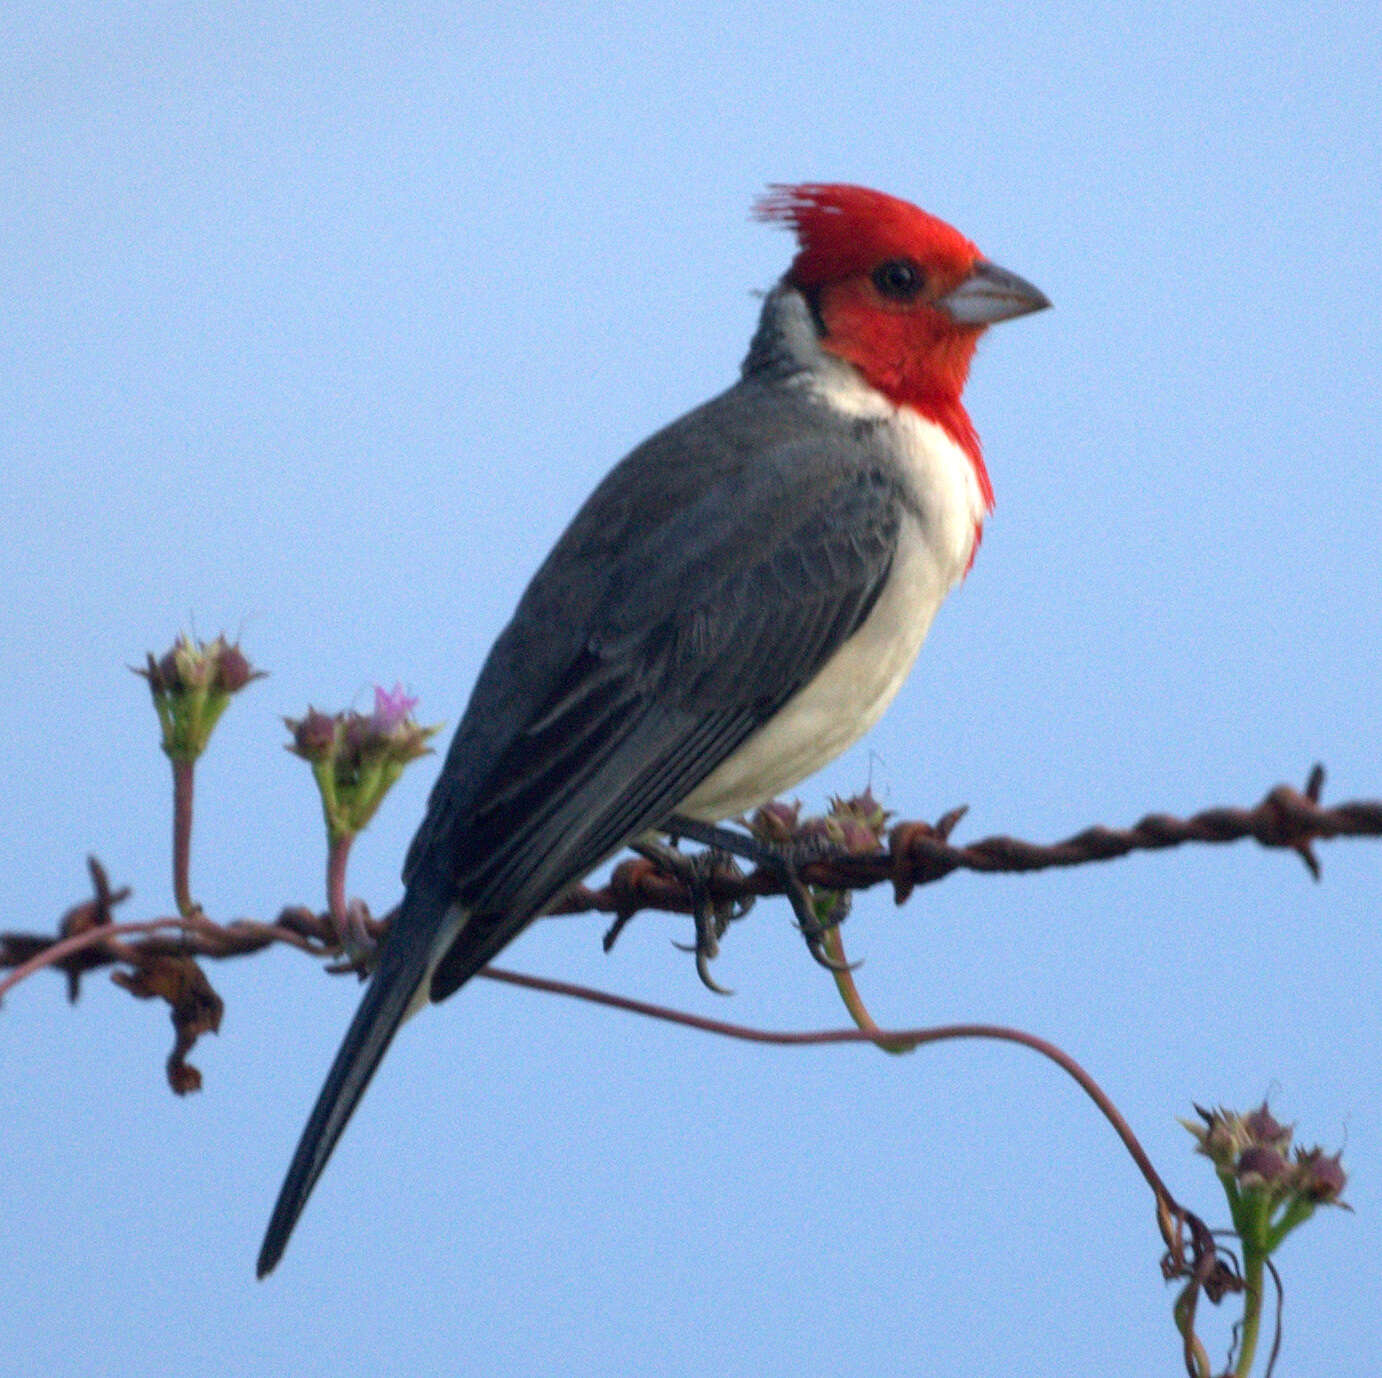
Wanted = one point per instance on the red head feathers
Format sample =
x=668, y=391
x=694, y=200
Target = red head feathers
x=843, y=229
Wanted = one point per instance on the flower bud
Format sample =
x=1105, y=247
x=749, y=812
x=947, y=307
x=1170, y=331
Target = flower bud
x=776, y=821
x=1268, y=1195
x=1323, y=1177
x=1260, y=1165
x=191, y=685
x=856, y=824
x=1261, y=1127
x=314, y=737
x=357, y=757
x=233, y=670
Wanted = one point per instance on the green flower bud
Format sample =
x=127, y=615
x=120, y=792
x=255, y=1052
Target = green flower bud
x=191, y=685
x=357, y=757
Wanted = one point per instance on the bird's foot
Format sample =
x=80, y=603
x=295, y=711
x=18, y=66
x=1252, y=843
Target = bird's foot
x=785, y=860
x=817, y=915
x=711, y=915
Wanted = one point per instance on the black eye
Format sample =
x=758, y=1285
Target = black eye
x=899, y=279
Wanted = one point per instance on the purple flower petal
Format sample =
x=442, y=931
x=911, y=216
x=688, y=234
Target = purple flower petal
x=391, y=707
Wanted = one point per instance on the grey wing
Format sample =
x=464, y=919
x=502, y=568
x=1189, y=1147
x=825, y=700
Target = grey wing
x=702, y=633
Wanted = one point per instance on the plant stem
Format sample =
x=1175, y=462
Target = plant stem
x=1253, y=1260
x=337, y=854
x=849, y=993
x=184, y=769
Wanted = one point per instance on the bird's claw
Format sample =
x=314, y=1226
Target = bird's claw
x=711, y=917
x=703, y=971
x=813, y=928
x=822, y=958
x=706, y=947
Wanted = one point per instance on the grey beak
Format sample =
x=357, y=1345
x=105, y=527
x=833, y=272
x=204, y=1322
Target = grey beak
x=991, y=294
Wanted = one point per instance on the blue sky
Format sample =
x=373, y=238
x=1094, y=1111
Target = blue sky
x=319, y=321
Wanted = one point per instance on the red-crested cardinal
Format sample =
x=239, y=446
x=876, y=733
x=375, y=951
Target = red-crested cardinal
x=735, y=604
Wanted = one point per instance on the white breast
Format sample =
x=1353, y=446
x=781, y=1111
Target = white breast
x=859, y=681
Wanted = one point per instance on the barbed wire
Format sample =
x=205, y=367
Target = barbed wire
x=917, y=853
x=921, y=853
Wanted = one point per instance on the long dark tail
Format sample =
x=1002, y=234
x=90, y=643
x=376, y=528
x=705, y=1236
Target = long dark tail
x=404, y=961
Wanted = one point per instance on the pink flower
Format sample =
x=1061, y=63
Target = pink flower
x=391, y=707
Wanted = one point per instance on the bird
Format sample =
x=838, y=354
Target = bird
x=733, y=606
